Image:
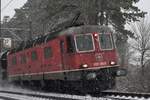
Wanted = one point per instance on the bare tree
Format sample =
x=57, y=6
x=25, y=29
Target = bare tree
x=141, y=41
x=137, y=79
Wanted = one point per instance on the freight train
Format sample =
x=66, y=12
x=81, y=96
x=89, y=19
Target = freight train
x=77, y=57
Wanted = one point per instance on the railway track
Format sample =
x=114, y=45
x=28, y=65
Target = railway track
x=125, y=95
x=105, y=95
x=10, y=95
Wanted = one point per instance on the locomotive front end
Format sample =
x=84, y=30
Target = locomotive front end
x=95, y=59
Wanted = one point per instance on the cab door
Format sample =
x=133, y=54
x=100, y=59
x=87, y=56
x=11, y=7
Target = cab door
x=62, y=50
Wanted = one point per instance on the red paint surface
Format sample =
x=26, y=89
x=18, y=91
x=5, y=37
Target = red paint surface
x=59, y=61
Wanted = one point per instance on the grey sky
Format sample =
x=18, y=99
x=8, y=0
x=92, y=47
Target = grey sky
x=9, y=11
x=144, y=5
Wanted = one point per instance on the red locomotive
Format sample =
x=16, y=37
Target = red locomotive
x=83, y=56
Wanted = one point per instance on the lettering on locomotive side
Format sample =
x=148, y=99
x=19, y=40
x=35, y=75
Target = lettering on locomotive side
x=100, y=63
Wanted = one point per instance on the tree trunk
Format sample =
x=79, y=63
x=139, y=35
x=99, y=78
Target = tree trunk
x=142, y=62
x=142, y=59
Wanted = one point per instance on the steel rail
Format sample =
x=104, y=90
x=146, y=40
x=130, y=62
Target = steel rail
x=126, y=94
x=37, y=95
x=7, y=98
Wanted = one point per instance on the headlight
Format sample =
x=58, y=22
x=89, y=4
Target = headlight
x=95, y=35
x=112, y=63
x=84, y=65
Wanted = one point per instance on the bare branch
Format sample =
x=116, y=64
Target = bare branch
x=141, y=42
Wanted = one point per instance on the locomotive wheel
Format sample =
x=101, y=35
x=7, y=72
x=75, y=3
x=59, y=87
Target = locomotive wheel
x=21, y=84
x=32, y=85
x=112, y=82
x=42, y=84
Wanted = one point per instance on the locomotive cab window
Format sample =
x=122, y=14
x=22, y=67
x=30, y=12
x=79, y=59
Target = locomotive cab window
x=47, y=52
x=14, y=60
x=84, y=43
x=105, y=41
x=34, y=55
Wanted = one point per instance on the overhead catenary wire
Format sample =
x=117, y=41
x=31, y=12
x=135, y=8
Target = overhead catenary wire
x=6, y=5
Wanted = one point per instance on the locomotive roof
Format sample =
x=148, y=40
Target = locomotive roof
x=69, y=31
x=86, y=29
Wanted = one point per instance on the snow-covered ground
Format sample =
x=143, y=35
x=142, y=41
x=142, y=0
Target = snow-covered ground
x=26, y=91
x=19, y=89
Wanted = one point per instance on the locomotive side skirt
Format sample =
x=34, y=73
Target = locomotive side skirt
x=70, y=74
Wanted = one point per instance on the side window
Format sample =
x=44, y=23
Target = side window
x=14, y=60
x=70, y=44
x=23, y=59
x=34, y=55
x=47, y=52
